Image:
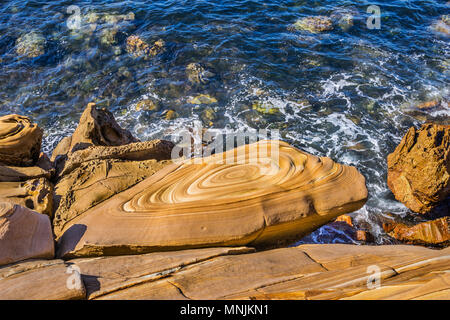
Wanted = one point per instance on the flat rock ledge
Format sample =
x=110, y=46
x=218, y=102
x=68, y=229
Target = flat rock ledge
x=310, y=272
x=246, y=196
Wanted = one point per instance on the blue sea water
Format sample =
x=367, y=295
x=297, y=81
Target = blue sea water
x=349, y=93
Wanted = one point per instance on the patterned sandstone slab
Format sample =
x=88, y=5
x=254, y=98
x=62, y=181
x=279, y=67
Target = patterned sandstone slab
x=304, y=272
x=20, y=141
x=419, y=168
x=40, y=280
x=15, y=174
x=95, y=181
x=255, y=194
x=24, y=234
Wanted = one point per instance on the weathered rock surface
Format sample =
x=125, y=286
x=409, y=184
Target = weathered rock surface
x=97, y=127
x=14, y=174
x=304, y=272
x=20, y=141
x=24, y=234
x=435, y=232
x=40, y=280
x=95, y=181
x=419, y=168
x=139, y=151
x=185, y=205
x=35, y=194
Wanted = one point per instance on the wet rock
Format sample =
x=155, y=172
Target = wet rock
x=170, y=115
x=147, y=104
x=228, y=204
x=30, y=45
x=265, y=107
x=436, y=232
x=314, y=24
x=35, y=194
x=20, y=140
x=197, y=74
x=94, y=181
x=346, y=219
x=108, y=36
x=139, y=48
x=24, y=234
x=442, y=25
x=208, y=116
x=419, y=168
x=202, y=99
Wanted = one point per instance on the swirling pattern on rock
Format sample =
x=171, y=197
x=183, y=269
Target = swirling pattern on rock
x=20, y=140
x=257, y=194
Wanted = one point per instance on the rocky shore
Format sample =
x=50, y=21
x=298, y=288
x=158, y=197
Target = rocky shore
x=107, y=216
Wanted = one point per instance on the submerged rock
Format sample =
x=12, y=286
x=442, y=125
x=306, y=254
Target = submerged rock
x=20, y=141
x=139, y=48
x=314, y=24
x=197, y=74
x=265, y=107
x=419, y=168
x=202, y=99
x=30, y=45
x=443, y=25
x=24, y=234
x=147, y=104
x=228, y=204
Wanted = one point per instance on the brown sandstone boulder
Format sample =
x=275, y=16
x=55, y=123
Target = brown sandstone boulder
x=96, y=128
x=24, y=234
x=35, y=194
x=41, y=280
x=95, y=181
x=187, y=204
x=419, y=168
x=435, y=232
x=12, y=174
x=20, y=141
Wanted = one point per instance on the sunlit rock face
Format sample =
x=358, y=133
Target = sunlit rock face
x=20, y=140
x=260, y=194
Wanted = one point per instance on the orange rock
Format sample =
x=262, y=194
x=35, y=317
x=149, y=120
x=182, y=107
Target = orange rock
x=362, y=235
x=419, y=168
x=185, y=205
x=345, y=218
x=20, y=141
x=430, y=232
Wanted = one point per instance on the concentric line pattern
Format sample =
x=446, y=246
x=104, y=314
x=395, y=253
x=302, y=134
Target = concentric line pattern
x=255, y=194
x=20, y=140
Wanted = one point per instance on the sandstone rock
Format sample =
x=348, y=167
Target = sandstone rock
x=20, y=141
x=24, y=234
x=345, y=218
x=247, y=195
x=96, y=128
x=40, y=280
x=304, y=272
x=107, y=275
x=139, y=151
x=436, y=232
x=95, y=181
x=11, y=174
x=419, y=168
x=30, y=45
x=35, y=194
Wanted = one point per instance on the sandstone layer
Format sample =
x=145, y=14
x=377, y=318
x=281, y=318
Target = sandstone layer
x=304, y=272
x=257, y=194
x=24, y=234
x=419, y=168
x=41, y=280
x=20, y=141
x=435, y=232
